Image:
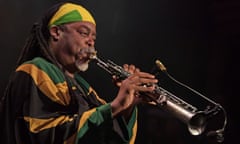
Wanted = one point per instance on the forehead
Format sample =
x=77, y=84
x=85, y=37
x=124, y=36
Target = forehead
x=82, y=25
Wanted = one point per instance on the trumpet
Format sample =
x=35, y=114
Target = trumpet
x=195, y=119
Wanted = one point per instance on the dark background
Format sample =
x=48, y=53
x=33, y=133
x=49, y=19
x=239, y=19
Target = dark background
x=197, y=40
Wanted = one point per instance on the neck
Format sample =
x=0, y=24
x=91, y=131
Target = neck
x=71, y=75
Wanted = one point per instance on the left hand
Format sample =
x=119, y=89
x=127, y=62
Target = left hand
x=132, y=69
x=129, y=68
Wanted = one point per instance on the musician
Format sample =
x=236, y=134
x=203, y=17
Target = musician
x=48, y=102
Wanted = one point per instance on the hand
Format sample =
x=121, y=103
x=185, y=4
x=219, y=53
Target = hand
x=129, y=88
x=129, y=68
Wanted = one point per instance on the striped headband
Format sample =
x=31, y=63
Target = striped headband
x=69, y=12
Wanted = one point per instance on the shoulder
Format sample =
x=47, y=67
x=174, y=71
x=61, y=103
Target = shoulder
x=39, y=67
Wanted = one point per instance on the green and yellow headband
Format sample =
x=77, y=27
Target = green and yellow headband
x=71, y=13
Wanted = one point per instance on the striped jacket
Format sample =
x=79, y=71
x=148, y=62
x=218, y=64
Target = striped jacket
x=43, y=106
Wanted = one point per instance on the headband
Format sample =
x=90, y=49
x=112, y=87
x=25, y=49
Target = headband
x=69, y=12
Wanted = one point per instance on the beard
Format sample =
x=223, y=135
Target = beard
x=83, y=58
x=81, y=66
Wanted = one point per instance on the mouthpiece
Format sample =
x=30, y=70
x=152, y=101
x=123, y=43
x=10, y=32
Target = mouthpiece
x=93, y=55
x=91, y=52
x=160, y=65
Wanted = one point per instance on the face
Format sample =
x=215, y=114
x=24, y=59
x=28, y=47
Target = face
x=71, y=44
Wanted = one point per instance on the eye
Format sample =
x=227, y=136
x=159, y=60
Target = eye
x=84, y=34
x=94, y=38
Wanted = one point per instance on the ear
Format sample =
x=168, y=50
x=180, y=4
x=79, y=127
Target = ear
x=55, y=32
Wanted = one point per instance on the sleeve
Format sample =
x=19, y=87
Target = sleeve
x=99, y=120
x=99, y=123
x=132, y=126
x=42, y=112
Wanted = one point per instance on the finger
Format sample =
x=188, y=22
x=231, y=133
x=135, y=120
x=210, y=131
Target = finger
x=140, y=81
x=131, y=69
x=145, y=75
x=142, y=88
x=125, y=67
x=147, y=81
x=137, y=70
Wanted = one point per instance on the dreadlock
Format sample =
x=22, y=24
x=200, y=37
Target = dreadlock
x=37, y=46
x=37, y=42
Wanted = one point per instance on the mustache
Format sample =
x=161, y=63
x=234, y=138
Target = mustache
x=87, y=51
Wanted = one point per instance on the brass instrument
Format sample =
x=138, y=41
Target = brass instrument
x=195, y=119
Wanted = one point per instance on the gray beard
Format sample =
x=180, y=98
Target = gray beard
x=81, y=66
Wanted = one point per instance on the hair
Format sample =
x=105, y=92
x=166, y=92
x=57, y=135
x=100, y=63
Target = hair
x=36, y=45
x=37, y=42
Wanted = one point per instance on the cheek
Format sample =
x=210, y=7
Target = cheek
x=72, y=47
x=73, y=44
x=76, y=43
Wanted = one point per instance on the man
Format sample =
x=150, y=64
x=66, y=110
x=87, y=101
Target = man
x=48, y=102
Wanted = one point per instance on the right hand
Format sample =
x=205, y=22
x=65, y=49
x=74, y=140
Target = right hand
x=129, y=88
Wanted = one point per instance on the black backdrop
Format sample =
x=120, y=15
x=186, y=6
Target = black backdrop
x=197, y=41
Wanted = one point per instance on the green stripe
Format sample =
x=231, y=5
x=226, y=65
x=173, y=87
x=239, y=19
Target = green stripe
x=132, y=122
x=82, y=82
x=52, y=71
x=102, y=114
x=72, y=16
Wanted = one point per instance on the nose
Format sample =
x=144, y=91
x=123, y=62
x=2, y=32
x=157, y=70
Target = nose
x=90, y=41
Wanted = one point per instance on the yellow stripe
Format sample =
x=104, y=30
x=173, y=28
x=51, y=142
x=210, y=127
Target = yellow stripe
x=134, y=133
x=36, y=125
x=134, y=130
x=57, y=93
x=85, y=117
x=68, y=7
x=91, y=90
